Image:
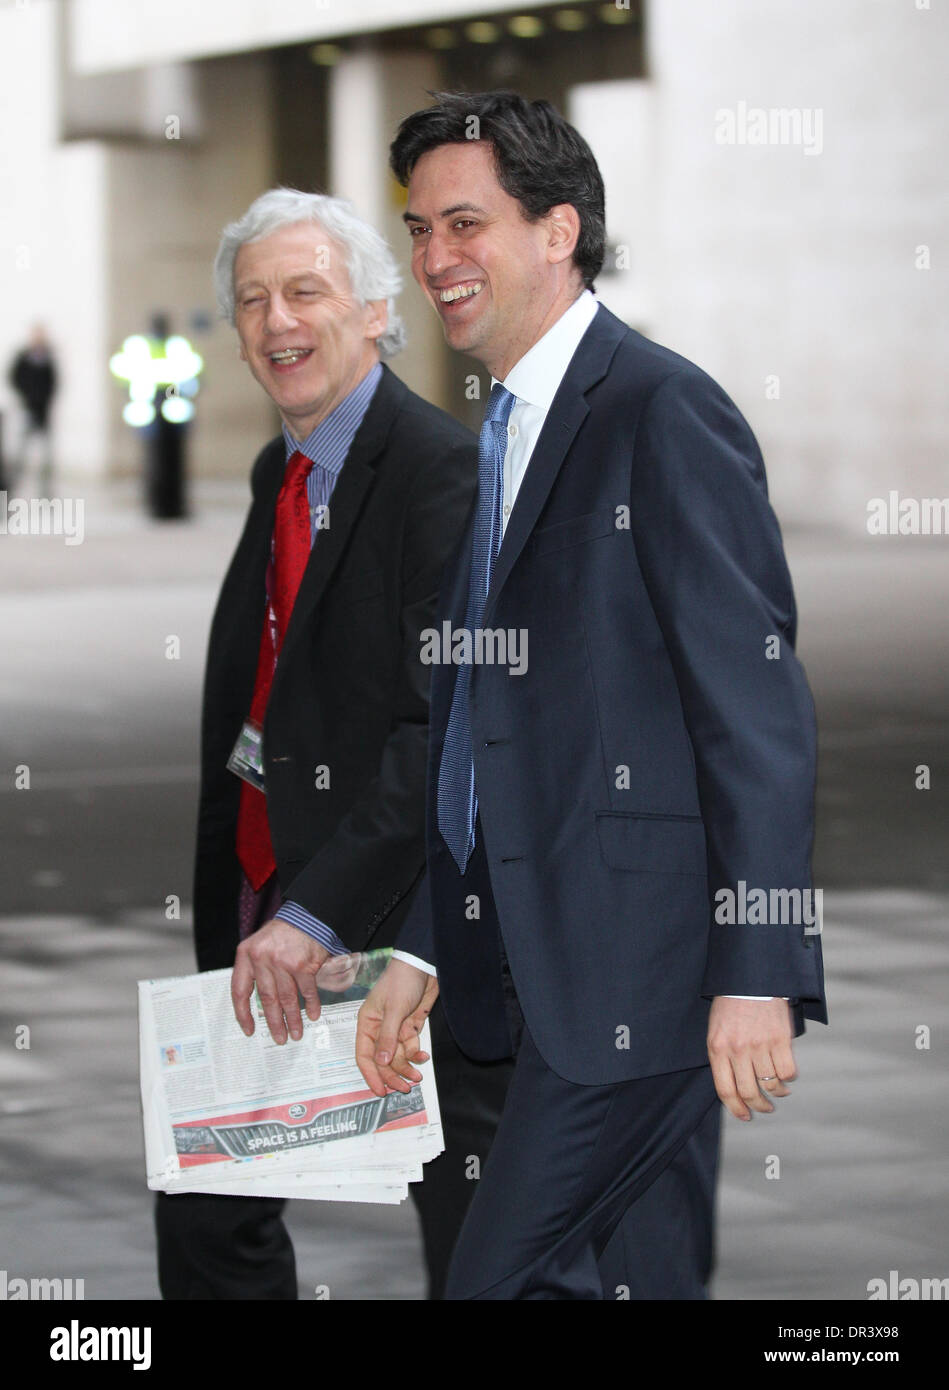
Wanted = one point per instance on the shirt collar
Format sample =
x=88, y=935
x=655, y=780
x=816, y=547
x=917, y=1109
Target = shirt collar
x=329, y=443
x=537, y=376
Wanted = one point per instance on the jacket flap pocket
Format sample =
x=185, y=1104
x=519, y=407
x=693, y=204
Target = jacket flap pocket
x=573, y=531
x=652, y=843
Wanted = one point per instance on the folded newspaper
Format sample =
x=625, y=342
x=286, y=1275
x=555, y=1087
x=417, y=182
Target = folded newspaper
x=226, y=1113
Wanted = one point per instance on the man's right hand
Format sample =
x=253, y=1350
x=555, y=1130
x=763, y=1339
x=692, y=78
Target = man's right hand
x=284, y=961
x=388, y=1027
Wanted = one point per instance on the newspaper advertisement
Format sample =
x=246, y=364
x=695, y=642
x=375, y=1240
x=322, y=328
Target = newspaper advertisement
x=226, y=1113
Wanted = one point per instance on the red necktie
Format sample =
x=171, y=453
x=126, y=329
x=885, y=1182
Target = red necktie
x=291, y=551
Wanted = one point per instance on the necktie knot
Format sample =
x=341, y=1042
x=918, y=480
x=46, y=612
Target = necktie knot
x=500, y=403
x=297, y=464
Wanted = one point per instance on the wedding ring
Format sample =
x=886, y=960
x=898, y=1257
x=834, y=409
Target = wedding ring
x=767, y=1078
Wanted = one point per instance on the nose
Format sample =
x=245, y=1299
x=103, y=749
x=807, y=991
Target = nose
x=278, y=317
x=438, y=256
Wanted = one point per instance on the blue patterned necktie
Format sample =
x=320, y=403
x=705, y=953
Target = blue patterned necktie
x=457, y=803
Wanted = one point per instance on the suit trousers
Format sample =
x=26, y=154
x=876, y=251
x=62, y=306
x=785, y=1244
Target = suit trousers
x=591, y=1192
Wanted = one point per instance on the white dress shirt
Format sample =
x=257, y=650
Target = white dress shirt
x=534, y=381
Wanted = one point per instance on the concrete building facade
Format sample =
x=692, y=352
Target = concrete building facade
x=774, y=207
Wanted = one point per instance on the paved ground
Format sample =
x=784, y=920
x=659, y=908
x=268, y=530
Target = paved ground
x=107, y=726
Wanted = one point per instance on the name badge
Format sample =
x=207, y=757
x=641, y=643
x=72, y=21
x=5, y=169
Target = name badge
x=245, y=757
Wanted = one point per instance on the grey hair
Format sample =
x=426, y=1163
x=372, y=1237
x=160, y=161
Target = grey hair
x=373, y=272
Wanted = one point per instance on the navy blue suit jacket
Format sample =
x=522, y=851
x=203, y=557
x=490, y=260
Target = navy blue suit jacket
x=653, y=752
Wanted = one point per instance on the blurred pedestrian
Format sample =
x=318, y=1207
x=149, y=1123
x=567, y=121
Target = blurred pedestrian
x=33, y=378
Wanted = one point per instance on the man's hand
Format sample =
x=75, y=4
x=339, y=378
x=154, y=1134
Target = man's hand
x=388, y=1027
x=284, y=961
x=340, y=972
x=749, y=1047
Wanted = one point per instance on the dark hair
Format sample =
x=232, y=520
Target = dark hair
x=539, y=158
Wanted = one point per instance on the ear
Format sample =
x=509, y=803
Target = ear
x=377, y=318
x=563, y=230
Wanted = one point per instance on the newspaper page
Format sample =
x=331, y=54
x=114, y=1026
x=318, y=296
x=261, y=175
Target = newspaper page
x=225, y=1113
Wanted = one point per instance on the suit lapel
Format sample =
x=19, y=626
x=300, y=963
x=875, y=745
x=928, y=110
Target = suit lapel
x=253, y=567
x=568, y=410
x=352, y=485
x=239, y=616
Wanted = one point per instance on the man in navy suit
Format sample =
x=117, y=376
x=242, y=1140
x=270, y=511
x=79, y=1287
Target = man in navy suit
x=619, y=820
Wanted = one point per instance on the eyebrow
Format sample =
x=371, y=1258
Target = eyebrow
x=294, y=275
x=446, y=212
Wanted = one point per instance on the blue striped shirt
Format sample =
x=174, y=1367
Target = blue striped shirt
x=327, y=446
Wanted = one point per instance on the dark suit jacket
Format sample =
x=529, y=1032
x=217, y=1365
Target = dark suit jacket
x=651, y=754
x=349, y=693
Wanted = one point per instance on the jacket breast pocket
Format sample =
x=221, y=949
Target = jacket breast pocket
x=574, y=531
x=652, y=843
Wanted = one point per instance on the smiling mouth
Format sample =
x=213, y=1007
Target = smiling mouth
x=286, y=357
x=457, y=292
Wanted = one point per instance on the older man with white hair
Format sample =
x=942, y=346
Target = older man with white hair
x=316, y=644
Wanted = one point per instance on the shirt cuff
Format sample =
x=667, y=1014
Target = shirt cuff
x=414, y=960
x=764, y=998
x=298, y=916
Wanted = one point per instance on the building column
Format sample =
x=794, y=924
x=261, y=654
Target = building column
x=370, y=92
